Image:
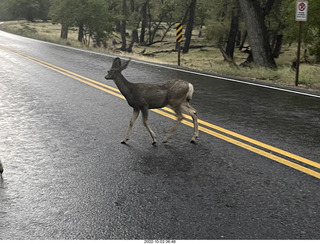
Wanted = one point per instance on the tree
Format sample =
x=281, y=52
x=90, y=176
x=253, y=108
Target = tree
x=155, y=19
x=257, y=33
x=161, y=19
x=63, y=12
x=91, y=16
x=4, y=13
x=314, y=31
x=123, y=26
x=43, y=9
x=29, y=9
x=233, y=32
x=96, y=21
x=144, y=21
x=188, y=32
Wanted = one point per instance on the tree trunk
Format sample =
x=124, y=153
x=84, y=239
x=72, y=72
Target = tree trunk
x=189, y=28
x=64, y=31
x=243, y=40
x=123, y=26
x=143, y=23
x=80, y=33
x=154, y=32
x=30, y=15
x=277, y=46
x=267, y=8
x=118, y=26
x=234, y=27
x=149, y=23
x=257, y=33
x=238, y=39
x=132, y=5
x=134, y=39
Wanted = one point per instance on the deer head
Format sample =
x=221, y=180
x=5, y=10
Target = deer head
x=116, y=68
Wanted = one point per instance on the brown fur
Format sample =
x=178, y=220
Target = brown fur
x=144, y=96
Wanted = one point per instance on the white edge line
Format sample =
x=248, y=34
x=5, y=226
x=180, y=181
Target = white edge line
x=228, y=79
x=176, y=69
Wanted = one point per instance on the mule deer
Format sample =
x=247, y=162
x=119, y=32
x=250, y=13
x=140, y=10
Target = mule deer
x=142, y=96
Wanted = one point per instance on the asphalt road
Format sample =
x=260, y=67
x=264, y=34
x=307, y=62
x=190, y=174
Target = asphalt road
x=253, y=174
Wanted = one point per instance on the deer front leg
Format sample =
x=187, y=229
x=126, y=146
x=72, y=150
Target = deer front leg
x=132, y=120
x=145, y=123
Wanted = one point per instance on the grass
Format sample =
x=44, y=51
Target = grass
x=207, y=59
x=44, y=31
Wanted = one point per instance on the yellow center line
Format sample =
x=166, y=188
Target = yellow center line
x=255, y=142
x=114, y=91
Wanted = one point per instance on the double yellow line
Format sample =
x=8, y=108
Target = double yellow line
x=294, y=161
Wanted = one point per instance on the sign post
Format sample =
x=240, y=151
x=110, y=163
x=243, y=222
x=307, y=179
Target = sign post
x=179, y=39
x=301, y=15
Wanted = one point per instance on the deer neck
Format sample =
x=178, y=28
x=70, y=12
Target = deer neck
x=123, y=84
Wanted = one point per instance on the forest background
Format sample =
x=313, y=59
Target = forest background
x=254, y=39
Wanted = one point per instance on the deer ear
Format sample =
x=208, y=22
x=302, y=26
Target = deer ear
x=125, y=64
x=116, y=63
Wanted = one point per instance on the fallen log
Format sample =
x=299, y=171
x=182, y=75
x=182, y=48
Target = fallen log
x=227, y=58
x=156, y=52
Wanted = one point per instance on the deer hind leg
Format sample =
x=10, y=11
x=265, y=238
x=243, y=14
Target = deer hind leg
x=132, y=120
x=176, y=124
x=145, y=123
x=193, y=113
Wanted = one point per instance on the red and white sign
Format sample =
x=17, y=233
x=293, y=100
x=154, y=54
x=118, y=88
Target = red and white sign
x=302, y=11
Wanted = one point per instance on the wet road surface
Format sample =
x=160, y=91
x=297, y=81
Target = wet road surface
x=68, y=177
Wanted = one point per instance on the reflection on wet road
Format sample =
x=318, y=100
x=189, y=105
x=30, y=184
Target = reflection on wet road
x=68, y=177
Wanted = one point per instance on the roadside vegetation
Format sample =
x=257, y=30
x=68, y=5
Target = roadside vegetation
x=145, y=29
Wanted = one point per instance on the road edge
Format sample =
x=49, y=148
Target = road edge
x=245, y=81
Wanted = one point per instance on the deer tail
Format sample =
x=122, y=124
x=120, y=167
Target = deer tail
x=190, y=92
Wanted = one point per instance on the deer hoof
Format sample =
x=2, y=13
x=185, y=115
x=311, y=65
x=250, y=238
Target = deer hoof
x=154, y=143
x=123, y=142
x=193, y=141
